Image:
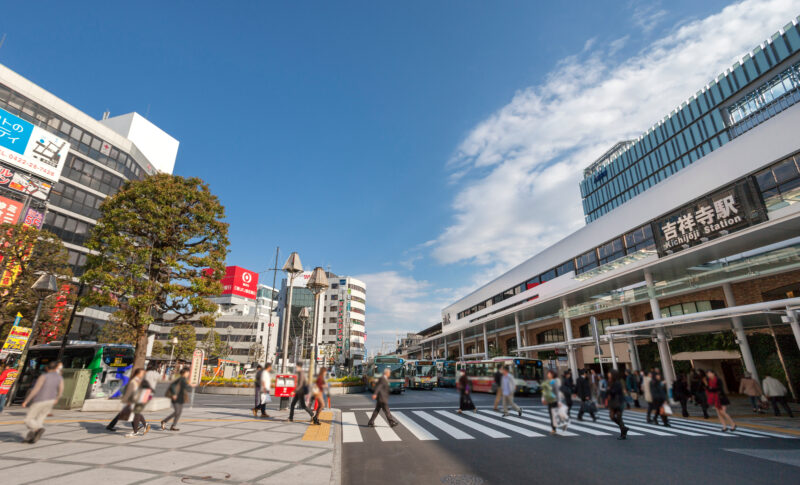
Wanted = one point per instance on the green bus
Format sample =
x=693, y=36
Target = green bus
x=396, y=379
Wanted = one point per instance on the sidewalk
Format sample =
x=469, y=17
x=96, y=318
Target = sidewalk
x=214, y=445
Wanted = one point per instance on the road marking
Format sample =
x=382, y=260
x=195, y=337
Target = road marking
x=471, y=424
x=451, y=430
x=385, y=433
x=614, y=428
x=678, y=427
x=350, y=431
x=575, y=427
x=415, y=429
x=322, y=431
x=531, y=423
x=511, y=427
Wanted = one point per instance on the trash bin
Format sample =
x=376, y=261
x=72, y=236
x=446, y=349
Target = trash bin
x=76, y=382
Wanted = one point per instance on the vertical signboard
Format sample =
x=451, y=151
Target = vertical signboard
x=196, y=369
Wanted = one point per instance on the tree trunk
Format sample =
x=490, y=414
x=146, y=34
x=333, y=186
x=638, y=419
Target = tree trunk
x=140, y=354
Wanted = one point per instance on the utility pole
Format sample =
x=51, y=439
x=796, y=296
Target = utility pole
x=272, y=298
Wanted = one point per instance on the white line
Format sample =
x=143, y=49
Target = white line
x=528, y=422
x=511, y=427
x=606, y=427
x=677, y=426
x=385, y=433
x=415, y=429
x=571, y=426
x=451, y=430
x=350, y=432
x=491, y=433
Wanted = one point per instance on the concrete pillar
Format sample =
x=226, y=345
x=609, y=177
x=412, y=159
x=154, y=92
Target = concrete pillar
x=573, y=361
x=485, y=344
x=661, y=336
x=516, y=328
x=445, y=347
x=462, y=345
x=632, y=350
x=738, y=330
x=614, y=364
x=794, y=323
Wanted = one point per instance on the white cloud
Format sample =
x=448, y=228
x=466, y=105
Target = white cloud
x=520, y=168
x=649, y=15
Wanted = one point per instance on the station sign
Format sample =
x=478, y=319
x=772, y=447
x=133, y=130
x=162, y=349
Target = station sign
x=723, y=212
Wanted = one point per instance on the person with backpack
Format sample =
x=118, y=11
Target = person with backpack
x=176, y=392
x=498, y=385
x=550, y=398
x=583, y=388
x=776, y=393
x=616, y=402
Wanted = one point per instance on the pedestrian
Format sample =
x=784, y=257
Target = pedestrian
x=135, y=395
x=300, y=392
x=257, y=389
x=602, y=390
x=567, y=389
x=317, y=393
x=680, y=391
x=584, y=391
x=750, y=388
x=152, y=376
x=465, y=399
x=550, y=398
x=5, y=370
x=697, y=386
x=44, y=395
x=776, y=393
x=498, y=384
x=616, y=398
x=632, y=385
x=266, y=389
x=716, y=397
x=381, y=398
x=595, y=382
x=648, y=396
x=177, y=394
x=658, y=393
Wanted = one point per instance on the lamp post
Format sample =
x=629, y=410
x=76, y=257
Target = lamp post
x=172, y=352
x=303, y=316
x=317, y=283
x=292, y=267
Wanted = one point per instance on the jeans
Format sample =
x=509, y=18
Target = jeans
x=177, y=409
x=2, y=401
x=509, y=401
x=754, y=402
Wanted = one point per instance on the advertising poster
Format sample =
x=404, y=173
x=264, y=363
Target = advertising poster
x=10, y=210
x=240, y=282
x=8, y=380
x=16, y=340
x=24, y=184
x=30, y=148
x=33, y=218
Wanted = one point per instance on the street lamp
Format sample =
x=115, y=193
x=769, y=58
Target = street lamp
x=317, y=283
x=172, y=351
x=292, y=267
x=303, y=316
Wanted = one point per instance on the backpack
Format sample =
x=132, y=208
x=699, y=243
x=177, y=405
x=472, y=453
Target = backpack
x=548, y=395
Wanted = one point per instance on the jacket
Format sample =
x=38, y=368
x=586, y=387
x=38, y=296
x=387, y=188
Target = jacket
x=583, y=388
x=773, y=387
x=616, y=396
x=680, y=390
x=509, y=385
x=749, y=387
x=129, y=396
x=178, y=389
x=300, y=385
x=498, y=378
x=632, y=383
x=382, y=390
x=648, y=395
x=567, y=386
x=658, y=391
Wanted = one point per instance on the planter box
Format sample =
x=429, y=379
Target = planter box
x=229, y=391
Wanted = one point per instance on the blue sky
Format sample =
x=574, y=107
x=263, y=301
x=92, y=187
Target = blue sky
x=423, y=146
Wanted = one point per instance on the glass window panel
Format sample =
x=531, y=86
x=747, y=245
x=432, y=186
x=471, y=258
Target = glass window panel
x=786, y=170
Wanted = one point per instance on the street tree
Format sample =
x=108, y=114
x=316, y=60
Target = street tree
x=26, y=253
x=187, y=340
x=213, y=345
x=161, y=246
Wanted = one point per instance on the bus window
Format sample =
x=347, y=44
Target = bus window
x=528, y=371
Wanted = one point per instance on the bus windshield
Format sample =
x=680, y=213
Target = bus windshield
x=397, y=370
x=449, y=370
x=528, y=371
x=114, y=356
x=426, y=370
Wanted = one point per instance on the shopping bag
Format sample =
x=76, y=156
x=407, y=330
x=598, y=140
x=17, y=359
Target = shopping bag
x=144, y=396
x=666, y=410
x=265, y=398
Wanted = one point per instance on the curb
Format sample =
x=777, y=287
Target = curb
x=336, y=468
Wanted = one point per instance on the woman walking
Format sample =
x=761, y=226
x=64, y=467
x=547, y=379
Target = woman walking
x=465, y=402
x=658, y=392
x=176, y=392
x=550, y=398
x=616, y=402
x=717, y=398
x=136, y=395
x=750, y=388
x=319, y=389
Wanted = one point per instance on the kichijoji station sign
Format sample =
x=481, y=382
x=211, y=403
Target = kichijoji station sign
x=723, y=212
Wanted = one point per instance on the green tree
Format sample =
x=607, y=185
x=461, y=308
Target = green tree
x=28, y=252
x=158, y=348
x=187, y=340
x=115, y=332
x=162, y=246
x=214, y=346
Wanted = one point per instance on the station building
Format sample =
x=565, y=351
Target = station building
x=697, y=232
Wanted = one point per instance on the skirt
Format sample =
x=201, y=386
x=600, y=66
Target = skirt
x=466, y=403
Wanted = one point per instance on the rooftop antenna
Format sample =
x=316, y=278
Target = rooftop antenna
x=2, y=40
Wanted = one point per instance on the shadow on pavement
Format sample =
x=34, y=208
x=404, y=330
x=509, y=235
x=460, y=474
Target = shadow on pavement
x=94, y=428
x=10, y=437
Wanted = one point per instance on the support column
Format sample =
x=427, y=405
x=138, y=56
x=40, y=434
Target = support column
x=614, y=364
x=633, y=352
x=661, y=336
x=485, y=344
x=741, y=337
x=794, y=323
x=516, y=328
x=573, y=361
x=445, y=347
x=462, y=345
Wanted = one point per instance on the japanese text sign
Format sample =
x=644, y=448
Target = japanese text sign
x=31, y=148
x=10, y=210
x=23, y=183
x=241, y=282
x=16, y=340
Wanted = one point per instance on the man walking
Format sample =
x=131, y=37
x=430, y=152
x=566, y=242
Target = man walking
x=42, y=398
x=583, y=388
x=568, y=389
x=498, y=384
x=648, y=396
x=381, y=396
x=300, y=392
x=176, y=392
x=776, y=392
x=257, y=387
x=509, y=385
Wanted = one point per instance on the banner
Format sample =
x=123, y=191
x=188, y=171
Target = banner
x=31, y=148
x=16, y=340
x=8, y=381
x=10, y=210
x=24, y=184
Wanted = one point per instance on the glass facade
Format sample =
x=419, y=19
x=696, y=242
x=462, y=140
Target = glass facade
x=758, y=85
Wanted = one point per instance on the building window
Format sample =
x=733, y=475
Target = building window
x=586, y=330
x=780, y=184
x=610, y=251
x=585, y=262
x=688, y=307
x=641, y=238
x=550, y=336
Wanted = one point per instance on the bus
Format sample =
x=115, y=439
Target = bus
x=396, y=378
x=445, y=373
x=110, y=365
x=528, y=373
x=420, y=374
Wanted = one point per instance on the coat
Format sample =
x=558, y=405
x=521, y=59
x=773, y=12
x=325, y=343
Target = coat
x=616, y=396
x=382, y=390
x=680, y=390
x=773, y=387
x=583, y=388
x=749, y=387
x=658, y=391
x=648, y=395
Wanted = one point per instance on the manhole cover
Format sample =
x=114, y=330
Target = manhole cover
x=462, y=480
x=207, y=478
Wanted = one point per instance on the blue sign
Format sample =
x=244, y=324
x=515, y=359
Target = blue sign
x=342, y=282
x=14, y=132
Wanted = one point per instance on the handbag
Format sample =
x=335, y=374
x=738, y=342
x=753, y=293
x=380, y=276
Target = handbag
x=144, y=396
x=265, y=398
x=666, y=410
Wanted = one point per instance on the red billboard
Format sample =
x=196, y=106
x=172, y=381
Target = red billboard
x=240, y=282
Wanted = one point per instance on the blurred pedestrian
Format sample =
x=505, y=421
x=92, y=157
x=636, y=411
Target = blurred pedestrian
x=152, y=376
x=567, y=389
x=381, y=398
x=44, y=395
x=498, y=384
x=616, y=399
x=632, y=385
x=776, y=393
x=509, y=385
x=135, y=395
x=658, y=394
x=680, y=391
x=177, y=392
x=266, y=389
x=602, y=391
x=648, y=395
x=697, y=386
x=465, y=399
x=717, y=398
x=300, y=393
x=750, y=388
x=320, y=384
x=594, y=381
x=257, y=388
x=550, y=398
x=584, y=391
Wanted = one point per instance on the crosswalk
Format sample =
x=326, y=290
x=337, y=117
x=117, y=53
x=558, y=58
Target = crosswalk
x=430, y=424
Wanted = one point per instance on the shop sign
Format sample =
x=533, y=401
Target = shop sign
x=33, y=218
x=709, y=217
x=22, y=183
x=10, y=211
x=16, y=340
x=30, y=148
x=240, y=282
